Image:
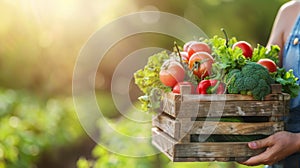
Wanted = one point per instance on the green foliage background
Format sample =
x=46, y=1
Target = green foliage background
x=41, y=40
x=39, y=43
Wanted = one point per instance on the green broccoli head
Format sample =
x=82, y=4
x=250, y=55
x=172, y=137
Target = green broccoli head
x=230, y=80
x=262, y=89
x=257, y=72
x=249, y=83
x=252, y=78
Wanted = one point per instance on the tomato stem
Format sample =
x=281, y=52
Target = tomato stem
x=213, y=89
x=226, y=36
x=178, y=51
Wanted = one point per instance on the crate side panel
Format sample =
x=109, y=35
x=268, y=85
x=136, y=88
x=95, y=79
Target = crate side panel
x=170, y=106
x=216, y=105
x=214, y=150
x=210, y=159
x=231, y=128
x=167, y=124
x=163, y=142
x=228, y=97
x=229, y=108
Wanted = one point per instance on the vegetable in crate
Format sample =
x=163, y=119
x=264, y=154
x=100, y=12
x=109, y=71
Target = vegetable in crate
x=201, y=64
x=288, y=81
x=198, y=47
x=171, y=73
x=253, y=79
x=147, y=79
x=176, y=88
x=211, y=86
x=245, y=47
x=242, y=75
x=269, y=64
x=184, y=57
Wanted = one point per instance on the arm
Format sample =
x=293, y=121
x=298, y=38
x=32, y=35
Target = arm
x=277, y=33
x=278, y=146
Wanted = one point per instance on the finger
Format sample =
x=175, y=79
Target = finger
x=256, y=160
x=263, y=143
x=267, y=157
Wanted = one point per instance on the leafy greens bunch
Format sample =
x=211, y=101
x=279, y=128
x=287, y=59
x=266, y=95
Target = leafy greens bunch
x=239, y=74
x=147, y=79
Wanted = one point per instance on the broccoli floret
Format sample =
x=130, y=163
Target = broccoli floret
x=249, y=83
x=252, y=79
x=260, y=72
x=231, y=78
x=240, y=84
x=261, y=90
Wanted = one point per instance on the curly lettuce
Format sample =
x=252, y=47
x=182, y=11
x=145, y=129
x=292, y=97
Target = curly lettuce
x=147, y=79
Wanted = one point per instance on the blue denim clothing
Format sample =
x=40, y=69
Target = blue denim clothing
x=291, y=60
x=292, y=125
x=291, y=56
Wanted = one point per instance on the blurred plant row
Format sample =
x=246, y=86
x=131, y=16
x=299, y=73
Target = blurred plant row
x=29, y=126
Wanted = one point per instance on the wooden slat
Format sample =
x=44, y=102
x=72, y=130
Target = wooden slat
x=209, y=159
x=286, y=104
x=231, y=128
x=167, y=124
x=276, y=88
x=181, y=128
x=183, y=152
x=222, y=97
x=215, y=97
x=172, y=96
x=230, y=108
x=163, y=143
x=169, y=106
x=215, y=149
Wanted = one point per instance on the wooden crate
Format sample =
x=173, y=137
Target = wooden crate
x=187, y=121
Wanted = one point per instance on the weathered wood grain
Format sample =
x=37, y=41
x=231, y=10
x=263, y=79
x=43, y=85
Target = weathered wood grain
x=163, y=143
x=276, y=88
x=224, y=108
x=181, y=128
x=188, y=115
x=167, y=124
x=183, y=152
x=213, y=149
x=223, y=97
x=231, y=128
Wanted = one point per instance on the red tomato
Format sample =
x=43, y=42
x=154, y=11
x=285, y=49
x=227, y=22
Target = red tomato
x=201, y=63
x=268, y=63
x=211, y=86
x=186, y=45
x=245, y=47
x=176, y=88
x=171, y=73
x=198, y=47
x=184, y=57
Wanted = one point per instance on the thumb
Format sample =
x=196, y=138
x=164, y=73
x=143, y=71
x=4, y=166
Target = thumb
x=259, y=143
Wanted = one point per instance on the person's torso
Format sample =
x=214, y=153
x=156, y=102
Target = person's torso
x=291, y=56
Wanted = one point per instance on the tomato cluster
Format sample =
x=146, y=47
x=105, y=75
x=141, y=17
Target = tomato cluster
x=196, y=57
x=248, y=51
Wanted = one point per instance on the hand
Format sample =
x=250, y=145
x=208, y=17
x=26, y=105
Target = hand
x=278, y=146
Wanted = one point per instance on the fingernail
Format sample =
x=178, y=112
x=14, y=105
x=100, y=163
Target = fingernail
x=252, y=145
